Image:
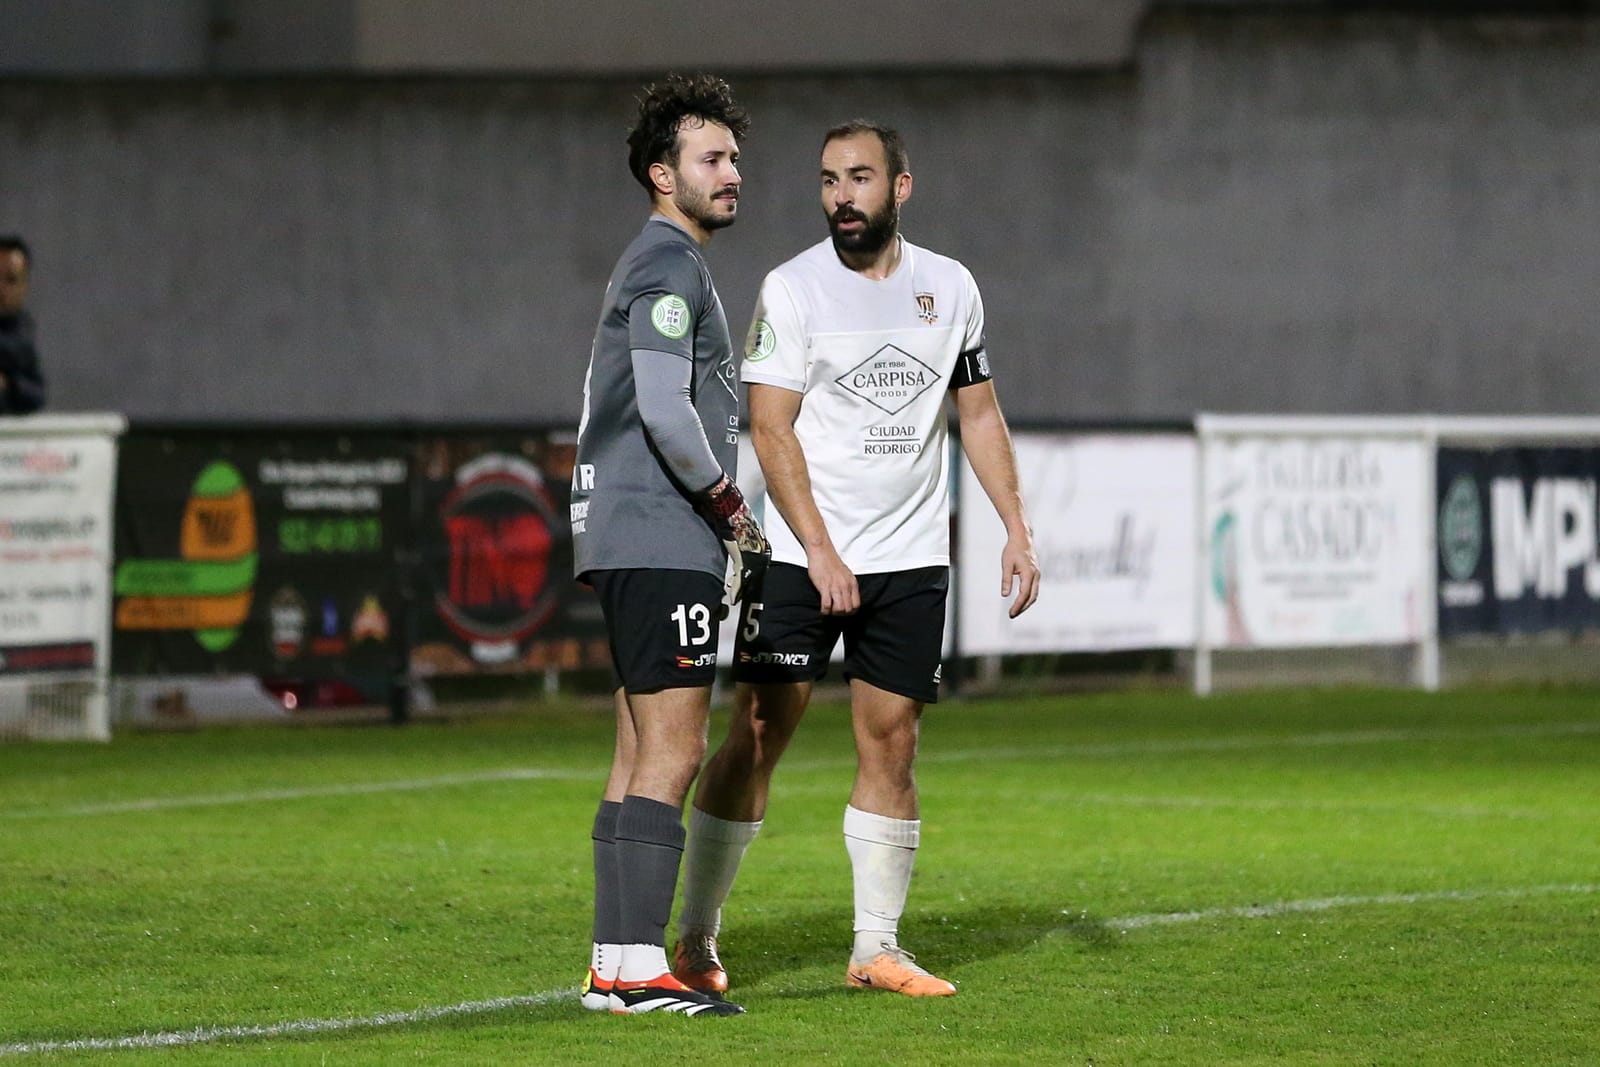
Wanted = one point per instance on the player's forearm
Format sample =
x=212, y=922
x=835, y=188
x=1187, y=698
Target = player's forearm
x=986, y=440
x=662, y=392
x=783, y=463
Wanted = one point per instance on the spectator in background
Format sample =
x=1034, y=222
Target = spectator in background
x=21, y=383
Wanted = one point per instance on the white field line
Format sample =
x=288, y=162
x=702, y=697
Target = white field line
x=253, y=796
x=1297, y=907
x=296, y=1028
x=1082, y=751
x=313, y=1027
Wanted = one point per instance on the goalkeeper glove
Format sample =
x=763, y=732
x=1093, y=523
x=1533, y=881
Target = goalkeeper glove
x=723, y=506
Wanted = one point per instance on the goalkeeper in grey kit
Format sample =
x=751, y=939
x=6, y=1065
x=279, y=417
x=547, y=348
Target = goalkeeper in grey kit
x=656, y=520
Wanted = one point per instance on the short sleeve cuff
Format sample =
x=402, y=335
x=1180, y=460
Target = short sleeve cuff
x=760, y=377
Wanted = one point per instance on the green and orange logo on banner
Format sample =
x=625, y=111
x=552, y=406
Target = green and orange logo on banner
x=209, y=587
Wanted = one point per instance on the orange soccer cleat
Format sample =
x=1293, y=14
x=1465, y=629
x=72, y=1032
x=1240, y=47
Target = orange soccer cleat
x=895, y=970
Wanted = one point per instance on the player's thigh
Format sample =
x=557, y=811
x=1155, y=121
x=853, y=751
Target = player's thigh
x=784, y=638
x=662, y=626
x=896, y=641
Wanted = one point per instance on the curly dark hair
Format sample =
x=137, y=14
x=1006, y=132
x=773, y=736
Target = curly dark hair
x=662, y=112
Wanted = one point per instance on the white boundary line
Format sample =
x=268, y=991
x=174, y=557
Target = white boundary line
x=1079, y=751
x=1296, y=907
x=204, y=1034
x=122, y=807
x=313, y=1027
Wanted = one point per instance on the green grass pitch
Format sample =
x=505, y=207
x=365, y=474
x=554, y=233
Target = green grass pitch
x=1140, y=878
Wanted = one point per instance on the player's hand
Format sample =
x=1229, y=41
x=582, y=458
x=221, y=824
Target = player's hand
x=723, y=506
x=1018, y=562
x=836, y=583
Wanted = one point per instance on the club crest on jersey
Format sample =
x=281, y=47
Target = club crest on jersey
x=925, y=308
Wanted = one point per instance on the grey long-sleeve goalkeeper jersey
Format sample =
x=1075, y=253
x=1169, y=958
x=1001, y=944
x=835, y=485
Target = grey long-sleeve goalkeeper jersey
x=628, y=510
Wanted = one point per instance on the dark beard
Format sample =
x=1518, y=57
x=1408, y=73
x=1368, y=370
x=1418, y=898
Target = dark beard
x=872, y=238
x=701, y=209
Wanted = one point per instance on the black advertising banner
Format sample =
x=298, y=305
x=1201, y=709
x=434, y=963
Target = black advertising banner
x=266, y=553
x=1519, y=540
x=494, y=589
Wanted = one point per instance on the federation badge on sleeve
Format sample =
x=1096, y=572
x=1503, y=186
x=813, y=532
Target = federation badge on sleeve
x=670, y=316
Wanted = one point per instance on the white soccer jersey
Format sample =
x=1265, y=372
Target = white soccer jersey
x=874, y=360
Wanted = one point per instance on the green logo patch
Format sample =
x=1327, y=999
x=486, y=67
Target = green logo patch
x=670, y=316
x=762, y=342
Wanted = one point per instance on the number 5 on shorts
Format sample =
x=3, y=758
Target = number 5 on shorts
x=752, y=620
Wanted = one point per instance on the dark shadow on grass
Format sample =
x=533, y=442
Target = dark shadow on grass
x=765, y=948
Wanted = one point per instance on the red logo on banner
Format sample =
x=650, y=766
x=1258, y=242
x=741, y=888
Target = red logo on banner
x=497, y=589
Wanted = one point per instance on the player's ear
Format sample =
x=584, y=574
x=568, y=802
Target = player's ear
x=902, y=188
x=661, y=177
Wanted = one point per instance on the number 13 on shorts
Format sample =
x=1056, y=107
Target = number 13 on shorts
x=694, y=624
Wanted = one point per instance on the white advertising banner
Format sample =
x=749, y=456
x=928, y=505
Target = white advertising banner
x=1113, y=524
x=55, y=551
x=1315, y=540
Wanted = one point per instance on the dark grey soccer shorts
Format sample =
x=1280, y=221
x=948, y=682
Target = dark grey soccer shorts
x=662, y=625
x=895, y=641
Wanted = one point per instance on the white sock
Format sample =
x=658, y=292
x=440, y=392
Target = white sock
x=710, y=863
x=641, y=963
x=881, y=853
x=604, y=960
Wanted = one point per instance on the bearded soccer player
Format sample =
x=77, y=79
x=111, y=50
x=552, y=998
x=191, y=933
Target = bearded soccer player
x=857, y=343
x=656, y=516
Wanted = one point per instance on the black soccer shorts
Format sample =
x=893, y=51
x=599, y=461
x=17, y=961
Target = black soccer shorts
x=662, y=625
x=895, y=641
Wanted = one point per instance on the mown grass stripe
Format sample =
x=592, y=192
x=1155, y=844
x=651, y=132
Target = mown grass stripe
x=509, y=774
x=309, y=1027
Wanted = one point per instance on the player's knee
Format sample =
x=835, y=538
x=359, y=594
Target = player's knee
x=755, y=747
x=887, y=753
x=768, y=721
x=887, y=773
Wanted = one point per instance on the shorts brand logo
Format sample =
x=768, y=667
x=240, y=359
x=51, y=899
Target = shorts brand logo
x=781, y=659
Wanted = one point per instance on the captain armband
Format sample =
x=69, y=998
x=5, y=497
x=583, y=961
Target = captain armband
x=972, y=368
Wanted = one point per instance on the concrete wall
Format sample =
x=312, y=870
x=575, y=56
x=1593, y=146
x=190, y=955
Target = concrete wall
x=592, y=38
x=1270, y=213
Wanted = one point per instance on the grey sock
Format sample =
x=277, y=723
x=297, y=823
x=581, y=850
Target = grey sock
x=607, y=890
x=649, y=849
